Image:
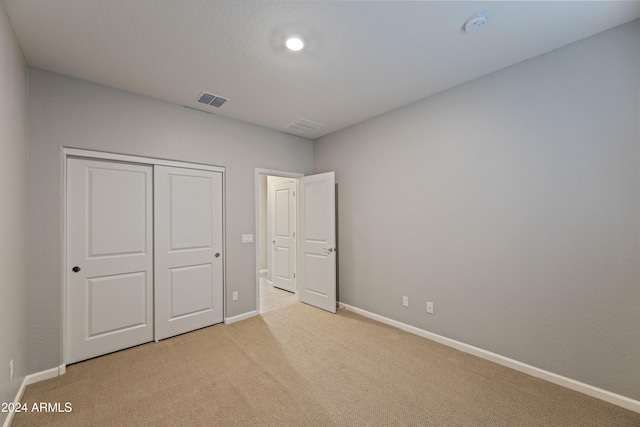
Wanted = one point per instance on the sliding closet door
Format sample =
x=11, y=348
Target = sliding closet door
x=188, y=250
x=109, y=257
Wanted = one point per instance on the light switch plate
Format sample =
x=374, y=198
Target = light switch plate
x=247, y=238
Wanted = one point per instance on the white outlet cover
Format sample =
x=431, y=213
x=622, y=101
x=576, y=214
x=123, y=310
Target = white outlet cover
x=247, y=238
x=429, y=307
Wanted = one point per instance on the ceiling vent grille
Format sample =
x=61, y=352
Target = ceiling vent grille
x=211, y=99
x=304, y=125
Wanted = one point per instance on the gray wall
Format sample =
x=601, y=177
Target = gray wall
x=512, y=203
x=64, y=111
x=13, y=193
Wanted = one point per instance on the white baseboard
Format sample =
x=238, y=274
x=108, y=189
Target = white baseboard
x=31, y=379
x=239, y=317
x=45, y=375
x=9, y=419
x=598, y=393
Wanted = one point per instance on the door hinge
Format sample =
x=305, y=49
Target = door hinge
x=294, y=275
x=294, y=194
x=294, y=234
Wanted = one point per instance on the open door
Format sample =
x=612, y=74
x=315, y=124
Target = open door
x=283, y=234
x=317, y=241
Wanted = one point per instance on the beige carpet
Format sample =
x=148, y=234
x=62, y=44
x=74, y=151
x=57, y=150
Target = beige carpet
x=300, y=366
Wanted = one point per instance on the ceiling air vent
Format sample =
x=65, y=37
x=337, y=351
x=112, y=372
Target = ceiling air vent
x=304, y=125
x=211, y=99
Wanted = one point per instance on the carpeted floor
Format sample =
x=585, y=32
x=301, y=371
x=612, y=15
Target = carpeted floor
x=300, y=366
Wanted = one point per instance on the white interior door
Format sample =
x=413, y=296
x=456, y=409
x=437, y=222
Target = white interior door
x=109, y=257
x=188, y=250
x=317, y=241
x=283, y=235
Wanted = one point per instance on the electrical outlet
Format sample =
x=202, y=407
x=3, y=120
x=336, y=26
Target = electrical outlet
x=405, y=301
x=429, y=307
x=11, y=370
x=235, y=295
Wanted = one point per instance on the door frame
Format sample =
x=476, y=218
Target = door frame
x=258, y=172
x=107, y=156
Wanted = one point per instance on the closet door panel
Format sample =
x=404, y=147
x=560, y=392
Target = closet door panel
x=109, y=265
x=188, y=250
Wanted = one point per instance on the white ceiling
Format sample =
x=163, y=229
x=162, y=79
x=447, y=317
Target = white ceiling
x=362, y=58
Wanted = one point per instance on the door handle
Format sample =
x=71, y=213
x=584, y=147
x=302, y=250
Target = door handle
x=217, y=255
x=76, y=269
x=329, y=250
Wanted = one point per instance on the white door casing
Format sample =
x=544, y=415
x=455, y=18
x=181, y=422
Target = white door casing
x=188, y=250
x=283, y=235
x=109, y=261
x=317, y=241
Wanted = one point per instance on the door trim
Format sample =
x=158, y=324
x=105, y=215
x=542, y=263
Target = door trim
x=67, y=152
x=103, y=155
x=256, y=215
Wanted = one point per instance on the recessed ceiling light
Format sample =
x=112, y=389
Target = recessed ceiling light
x=294, y=43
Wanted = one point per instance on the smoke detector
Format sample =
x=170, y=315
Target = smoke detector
x=476, y=22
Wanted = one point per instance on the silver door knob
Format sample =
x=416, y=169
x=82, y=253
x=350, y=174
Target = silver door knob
x=328, y=250
x=217, y=255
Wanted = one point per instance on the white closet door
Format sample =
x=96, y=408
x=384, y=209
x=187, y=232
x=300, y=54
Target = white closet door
x=317, y=240
x=188, y=250
x=109, y=257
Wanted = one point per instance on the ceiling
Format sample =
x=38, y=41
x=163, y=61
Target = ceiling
x=362, y=58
